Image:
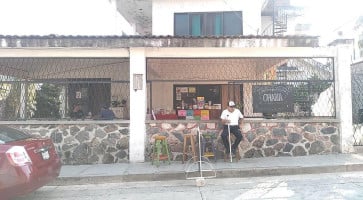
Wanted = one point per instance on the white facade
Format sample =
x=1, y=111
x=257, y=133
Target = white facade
x=163, y=13
x=358, y=52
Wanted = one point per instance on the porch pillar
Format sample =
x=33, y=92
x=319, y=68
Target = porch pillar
x=137, y=104
x=344, y=96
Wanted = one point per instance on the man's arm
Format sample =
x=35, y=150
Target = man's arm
x=224, y=118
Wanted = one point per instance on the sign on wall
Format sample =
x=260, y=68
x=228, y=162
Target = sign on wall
x=272, y=98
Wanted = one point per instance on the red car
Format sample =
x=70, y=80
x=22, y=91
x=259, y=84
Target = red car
x=26, y=163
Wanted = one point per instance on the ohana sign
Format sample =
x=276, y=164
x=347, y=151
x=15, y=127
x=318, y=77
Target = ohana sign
x=272, y=98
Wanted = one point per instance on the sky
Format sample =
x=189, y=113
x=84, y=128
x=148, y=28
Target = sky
x=99, y=17
x=62, y=17
x=330, y=16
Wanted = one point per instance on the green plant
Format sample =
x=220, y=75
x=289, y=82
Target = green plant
x=12, y=102
x=47, y=102
x=117, y=103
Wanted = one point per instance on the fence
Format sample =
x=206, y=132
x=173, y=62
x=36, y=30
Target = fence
x=54, y=88
x=283, y=87
x=357, y=103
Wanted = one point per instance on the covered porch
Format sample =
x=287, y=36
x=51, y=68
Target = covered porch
x=146, y=76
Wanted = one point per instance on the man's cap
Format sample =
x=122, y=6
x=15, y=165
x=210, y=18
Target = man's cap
x=231, y=104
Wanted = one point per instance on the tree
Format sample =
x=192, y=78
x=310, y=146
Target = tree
x=12, y=101
x=47, y=102
x=359, y=27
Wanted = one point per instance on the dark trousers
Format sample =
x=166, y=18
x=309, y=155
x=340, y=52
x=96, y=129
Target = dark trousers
x=236, y=132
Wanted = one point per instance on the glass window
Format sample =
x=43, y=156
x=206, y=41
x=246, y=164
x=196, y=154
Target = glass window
x=196, y=24
x=232, y=23
x=8, y=134
x=216, y=23
x=181, y=24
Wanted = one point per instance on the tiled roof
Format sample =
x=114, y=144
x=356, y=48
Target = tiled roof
x=156, y=41
x=153, y=36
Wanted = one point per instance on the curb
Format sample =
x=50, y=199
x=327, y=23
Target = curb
x=220, y=173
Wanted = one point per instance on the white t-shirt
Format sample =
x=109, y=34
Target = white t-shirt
x=233, y=117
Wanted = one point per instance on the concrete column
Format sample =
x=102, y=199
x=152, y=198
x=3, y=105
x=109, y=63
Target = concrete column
x=137, y=105
x=344, y=96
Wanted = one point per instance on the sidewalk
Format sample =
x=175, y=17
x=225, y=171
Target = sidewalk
x=246, y=167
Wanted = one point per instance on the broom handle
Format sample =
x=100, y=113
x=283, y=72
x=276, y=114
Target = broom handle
x=230, y=145
x=229, y=138
x=200, y=153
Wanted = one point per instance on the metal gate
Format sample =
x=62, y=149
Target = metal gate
x=357, y=103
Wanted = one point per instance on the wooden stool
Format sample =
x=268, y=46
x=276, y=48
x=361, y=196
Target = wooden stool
x=190, y=138
x=160, y=150
x=208, y=146
x=238, y=155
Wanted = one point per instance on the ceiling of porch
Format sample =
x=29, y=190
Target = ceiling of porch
x=157, y=68
x=212, y=69
x=54, y=68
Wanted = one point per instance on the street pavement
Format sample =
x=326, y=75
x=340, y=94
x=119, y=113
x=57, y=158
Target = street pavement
x=244, y=168
x=327, y=186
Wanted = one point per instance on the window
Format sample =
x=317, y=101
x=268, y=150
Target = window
x=183, y=24
x=185, y=95
x=8, y=134
x=216, y=23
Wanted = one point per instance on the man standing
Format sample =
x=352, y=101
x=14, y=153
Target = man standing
x=231, y=116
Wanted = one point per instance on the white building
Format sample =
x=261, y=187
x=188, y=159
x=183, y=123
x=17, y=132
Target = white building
x=216, y=49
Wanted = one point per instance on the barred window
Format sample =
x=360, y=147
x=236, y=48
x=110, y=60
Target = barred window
x=55, y=88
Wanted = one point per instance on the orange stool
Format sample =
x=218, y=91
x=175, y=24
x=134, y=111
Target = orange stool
x=190, y=138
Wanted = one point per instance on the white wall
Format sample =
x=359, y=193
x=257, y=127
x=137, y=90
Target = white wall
x=163, y=13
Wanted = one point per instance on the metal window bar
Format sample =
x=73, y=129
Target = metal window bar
x=48, y=88
x=311, y=79
x=314, y=98
x=357, y=103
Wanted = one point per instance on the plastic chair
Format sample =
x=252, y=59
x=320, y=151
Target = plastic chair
x=209, y=148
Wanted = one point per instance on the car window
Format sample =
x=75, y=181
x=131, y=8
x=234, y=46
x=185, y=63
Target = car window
x=8, y=134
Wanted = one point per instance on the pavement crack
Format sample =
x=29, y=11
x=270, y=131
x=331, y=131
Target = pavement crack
x=201, y=194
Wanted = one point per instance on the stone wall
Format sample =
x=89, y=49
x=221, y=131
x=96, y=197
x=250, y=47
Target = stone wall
x=261, y=139
x=94, y=143
x=86, y=143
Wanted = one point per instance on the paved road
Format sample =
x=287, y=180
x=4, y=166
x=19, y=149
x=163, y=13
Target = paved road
x=315, y=186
